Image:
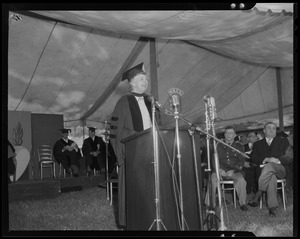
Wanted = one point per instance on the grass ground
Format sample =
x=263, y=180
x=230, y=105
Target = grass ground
x=89, y=210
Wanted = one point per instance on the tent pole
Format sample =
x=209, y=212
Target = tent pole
x=279, y=95
x=153, y=68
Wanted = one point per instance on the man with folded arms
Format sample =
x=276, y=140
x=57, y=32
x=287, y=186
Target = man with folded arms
x=267, y=153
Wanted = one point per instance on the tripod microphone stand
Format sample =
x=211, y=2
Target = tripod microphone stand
x=212, y=219
x=199, y=188
x=106, y=161
x=176, y=116
x=157, y=221
x=222, y=227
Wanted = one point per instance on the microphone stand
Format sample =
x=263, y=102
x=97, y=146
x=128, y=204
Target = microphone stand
x=106, y=161
x=157, y=220
x=199, y=188
x=222, y=227
x=211, y=218
x=176, y=116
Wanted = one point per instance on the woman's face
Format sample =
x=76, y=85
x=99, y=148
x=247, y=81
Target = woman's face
x=139, y=83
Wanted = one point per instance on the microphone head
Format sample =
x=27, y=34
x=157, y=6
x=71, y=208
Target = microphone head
x=175, y=97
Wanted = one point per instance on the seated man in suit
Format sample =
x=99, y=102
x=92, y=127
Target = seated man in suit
x=267, y=153
x=93, y=149
x=66, y=152
x=249, y=166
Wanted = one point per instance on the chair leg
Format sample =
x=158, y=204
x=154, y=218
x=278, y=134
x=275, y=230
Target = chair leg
x=283, y=195
x=54, y=170
x=111, y=193
x=41, y=172
x=234, y=197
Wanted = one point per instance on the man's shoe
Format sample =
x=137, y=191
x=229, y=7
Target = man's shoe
x=272, y=211
x=244, y=208
x=255, y=201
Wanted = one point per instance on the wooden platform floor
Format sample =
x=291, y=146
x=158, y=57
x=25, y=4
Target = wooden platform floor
x=50, y=188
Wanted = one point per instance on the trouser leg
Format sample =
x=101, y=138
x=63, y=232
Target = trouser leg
x=210, y=196
x=240, y=185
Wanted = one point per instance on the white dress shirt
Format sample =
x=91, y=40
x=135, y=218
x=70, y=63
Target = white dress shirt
x=145, y=113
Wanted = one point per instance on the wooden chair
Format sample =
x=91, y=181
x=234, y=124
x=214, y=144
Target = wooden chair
x=280, y=185
x=45, y=155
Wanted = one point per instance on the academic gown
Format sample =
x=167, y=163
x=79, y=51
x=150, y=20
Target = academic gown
x=126, y=121
x=91, y=146
x=60, y=156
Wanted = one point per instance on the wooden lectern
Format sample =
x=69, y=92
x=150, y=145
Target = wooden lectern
x=140, y=181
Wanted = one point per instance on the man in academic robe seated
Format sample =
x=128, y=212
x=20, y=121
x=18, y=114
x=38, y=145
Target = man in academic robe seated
x=93, y=149
x=67, y=153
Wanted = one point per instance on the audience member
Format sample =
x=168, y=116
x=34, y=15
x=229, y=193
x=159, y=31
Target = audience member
x=93, y=149
x=132, y=114
x=267, y=153
x=231, y=164
x=67, y=153
x=249, y=167
x=12, y=162
x=260, y=135
x=287, y=162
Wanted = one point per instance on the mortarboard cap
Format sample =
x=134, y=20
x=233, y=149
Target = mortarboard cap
x=92, y=129
x=65, y=130
x=129, y=74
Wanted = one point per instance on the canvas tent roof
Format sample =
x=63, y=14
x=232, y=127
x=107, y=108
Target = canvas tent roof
x=71, y=62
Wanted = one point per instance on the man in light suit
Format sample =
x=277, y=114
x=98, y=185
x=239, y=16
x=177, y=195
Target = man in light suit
x=267, y=154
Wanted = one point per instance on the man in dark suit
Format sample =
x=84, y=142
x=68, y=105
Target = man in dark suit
x=93, y=149
x=67, y=153
x=267, y=154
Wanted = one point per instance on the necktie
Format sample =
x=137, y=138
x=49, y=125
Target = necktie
x=269, y=141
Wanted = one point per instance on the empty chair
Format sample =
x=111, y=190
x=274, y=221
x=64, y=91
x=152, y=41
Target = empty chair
x=280, y=185
x=45, y=155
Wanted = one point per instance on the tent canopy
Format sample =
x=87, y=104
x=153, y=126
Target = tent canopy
x=71, y=62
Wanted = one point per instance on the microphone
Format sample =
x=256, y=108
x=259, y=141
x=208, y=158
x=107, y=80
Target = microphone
x=151, y=99
x=213, y=106
x=207, y=99
x=175, y=100
x=175, y=97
